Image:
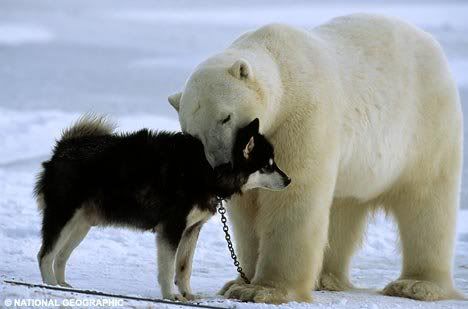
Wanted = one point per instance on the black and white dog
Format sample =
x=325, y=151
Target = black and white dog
x=144, y=180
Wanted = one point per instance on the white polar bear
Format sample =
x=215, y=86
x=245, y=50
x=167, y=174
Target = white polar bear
x=363, y=113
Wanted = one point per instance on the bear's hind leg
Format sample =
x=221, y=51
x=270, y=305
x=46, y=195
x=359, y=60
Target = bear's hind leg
x=346, y=228
x=426, y=218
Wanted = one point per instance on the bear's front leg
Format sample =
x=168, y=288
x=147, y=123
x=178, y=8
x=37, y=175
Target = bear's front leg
x=292, y=226
x=242, y=212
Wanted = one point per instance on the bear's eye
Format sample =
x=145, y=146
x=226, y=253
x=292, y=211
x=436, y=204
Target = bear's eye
x=226, y=120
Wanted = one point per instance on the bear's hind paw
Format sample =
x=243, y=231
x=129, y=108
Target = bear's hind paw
x=330, y=282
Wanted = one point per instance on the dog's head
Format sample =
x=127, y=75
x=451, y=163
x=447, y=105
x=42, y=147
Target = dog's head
x=254, y=163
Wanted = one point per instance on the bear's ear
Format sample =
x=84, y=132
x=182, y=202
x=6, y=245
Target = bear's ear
x=241, y=69
x=175, y=100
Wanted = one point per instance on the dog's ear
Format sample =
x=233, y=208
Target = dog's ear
x=175, y=100
x=253, y=127
x=248, y=148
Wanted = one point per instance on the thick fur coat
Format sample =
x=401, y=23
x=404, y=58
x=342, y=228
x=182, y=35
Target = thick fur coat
x=145, y=180
x=363, y=113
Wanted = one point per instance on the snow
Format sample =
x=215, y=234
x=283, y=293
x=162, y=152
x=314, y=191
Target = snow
x=16, y=34
x=124, y=262
x=59, y=59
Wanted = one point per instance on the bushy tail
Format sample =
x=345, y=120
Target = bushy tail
x=86, y=125
x=89, y=125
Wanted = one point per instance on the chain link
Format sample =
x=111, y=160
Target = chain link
x=222, y=212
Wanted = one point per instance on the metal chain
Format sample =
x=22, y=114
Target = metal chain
x=222, y=211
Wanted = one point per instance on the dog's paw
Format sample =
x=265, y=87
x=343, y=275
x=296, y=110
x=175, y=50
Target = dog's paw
x=50, y=281
x=64, y=284
x=416, y=289
x=175, y=297
x=330, y=282
x=258, y=294
x=189, y=296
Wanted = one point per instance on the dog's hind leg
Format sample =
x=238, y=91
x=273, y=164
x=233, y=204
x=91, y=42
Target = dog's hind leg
x=184, y=259
x=55, y=232
x=79, y=232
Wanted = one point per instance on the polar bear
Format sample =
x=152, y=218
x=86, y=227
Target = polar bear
x=364, y=113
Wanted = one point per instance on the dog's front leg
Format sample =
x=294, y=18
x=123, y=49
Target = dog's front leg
x=184, y=259
x=166, y=257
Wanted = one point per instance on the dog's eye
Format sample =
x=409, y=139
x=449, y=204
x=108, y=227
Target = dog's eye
x=269, y=167
x=226, y=120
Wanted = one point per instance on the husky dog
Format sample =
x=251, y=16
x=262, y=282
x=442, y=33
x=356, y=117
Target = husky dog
x=149, y=181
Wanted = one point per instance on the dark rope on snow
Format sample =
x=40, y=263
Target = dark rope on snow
x=98, y=293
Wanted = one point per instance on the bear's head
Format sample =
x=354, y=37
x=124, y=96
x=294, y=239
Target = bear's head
x=222, y=95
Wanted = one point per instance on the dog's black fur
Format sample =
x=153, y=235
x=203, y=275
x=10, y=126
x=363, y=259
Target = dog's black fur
x=140, y=180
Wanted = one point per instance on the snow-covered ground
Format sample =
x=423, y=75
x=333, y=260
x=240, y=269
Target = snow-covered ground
x=122, y=261
x=60, y=59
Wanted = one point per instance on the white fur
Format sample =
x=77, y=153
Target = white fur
x=362, y=112
x=40, y=202
x=77, y=235
x=197, y=215
x=166, y=258
x=186, y=249
x=184, y=259
x=272, y=181
x=70, y=236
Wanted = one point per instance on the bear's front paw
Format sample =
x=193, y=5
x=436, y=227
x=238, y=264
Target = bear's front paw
x=416, y=289
x=259, y=294
x=330, y=282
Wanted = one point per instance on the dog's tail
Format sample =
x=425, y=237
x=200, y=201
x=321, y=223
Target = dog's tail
x=86, y=125
x=89, y=125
